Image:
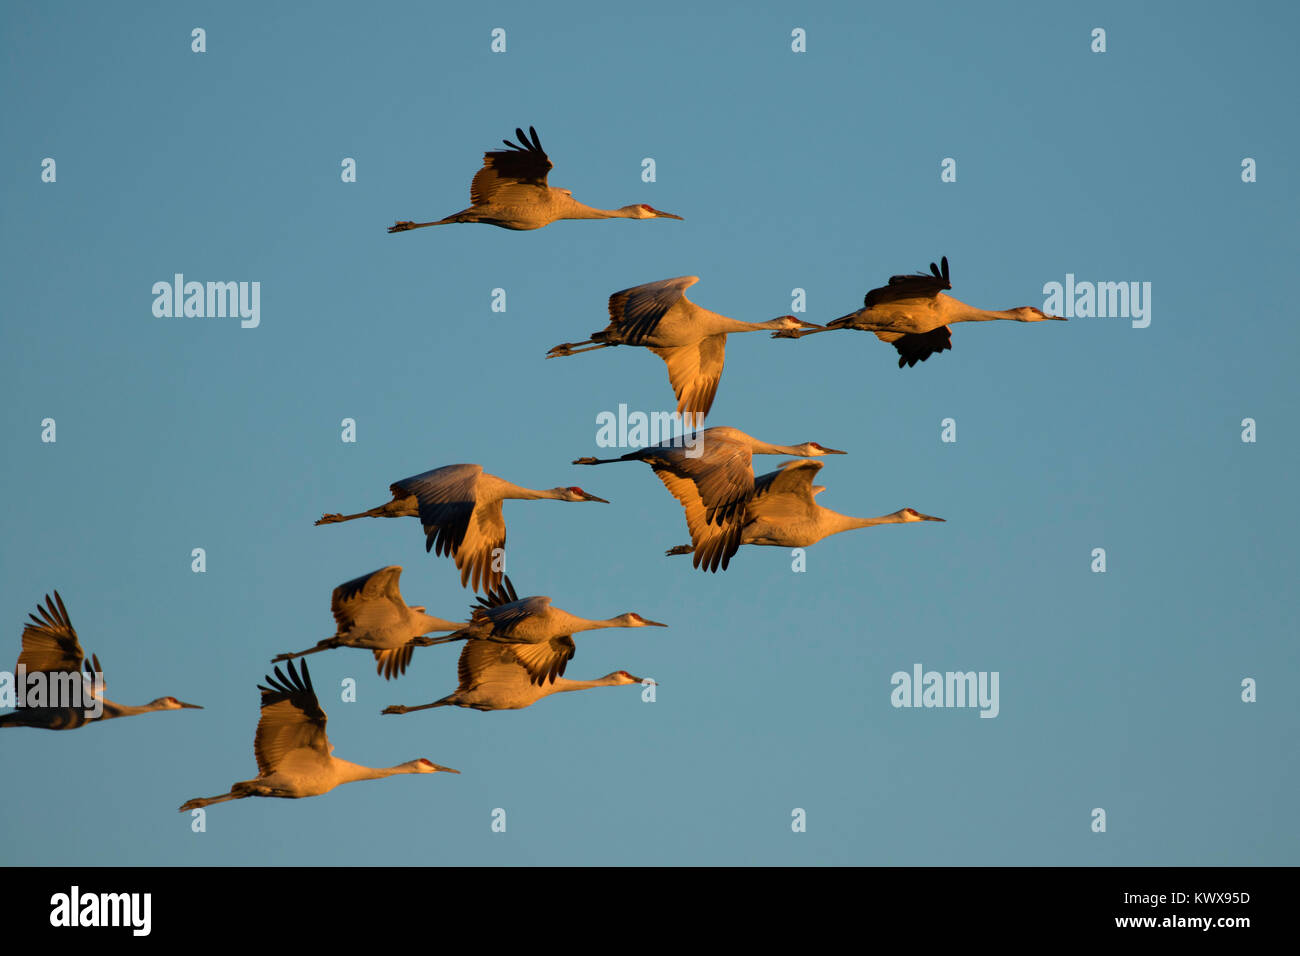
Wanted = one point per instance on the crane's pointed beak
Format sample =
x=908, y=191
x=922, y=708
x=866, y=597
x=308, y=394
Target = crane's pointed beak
x=812, y=325
x=190, y=706
x=833, y=451
x=667, y=215
x=591, y=497
x=438, y=766
x=932, y=518
x=649, y=623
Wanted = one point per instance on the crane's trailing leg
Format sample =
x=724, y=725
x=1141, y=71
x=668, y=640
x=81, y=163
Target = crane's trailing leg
x=397, y=508
x=400, y=709
x=680, y=549
x=404, y=226
x=800, y=333
x=424, y=640
x=208, y=801
x=324, y=645
x=573, y=348
x=598, y=461
x=465, y=215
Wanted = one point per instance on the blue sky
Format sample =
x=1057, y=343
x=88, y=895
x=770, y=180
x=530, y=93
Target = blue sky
x=816, y=170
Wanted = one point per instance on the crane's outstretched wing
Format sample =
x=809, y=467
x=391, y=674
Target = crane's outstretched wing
x=694, y=371
x=370, y=601
x=514, y=174
x=543, y=661
x=506, y=618
x=487, y=662
x=785, y=493
x=721, y=472
x=546, y=661
x=455, y=523
x=918, y=346
x=911, y=286
x=484, y=662
x=393, y=661
x=495, y=597
x=712, y=490
x=638, y=310
x=292, y=720
x=50, y=642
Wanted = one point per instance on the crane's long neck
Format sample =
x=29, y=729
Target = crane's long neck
x=577, y=210
x=349, y=772
x=519, y=493
x=763, y=448
x=563, y=684
x=959, y=311
x=724, y=324
x=113, y=709
x=838, y=522
x=576, y=624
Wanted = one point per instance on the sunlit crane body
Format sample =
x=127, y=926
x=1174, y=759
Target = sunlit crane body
x=540, y=636
x=510, y=191
x=460, y=508
x=913, y=315
x=782, y=512
x=691, y=340
x=294, y=756
x=713, y=482
x=371, y=614
x=51, y=648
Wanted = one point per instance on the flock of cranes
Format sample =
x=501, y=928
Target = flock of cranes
x=516, y=649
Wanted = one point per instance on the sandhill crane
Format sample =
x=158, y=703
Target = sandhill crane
x=492, y=678
x=51, y=649
x=460, y=508
x=713, y=482
x=782, y=512
x=691, y=340
x=294, y=757
x=540, y=636
x=510, y=191
x=371, y=614
x=913, y=315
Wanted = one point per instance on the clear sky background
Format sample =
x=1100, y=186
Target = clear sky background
x=816, y=170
